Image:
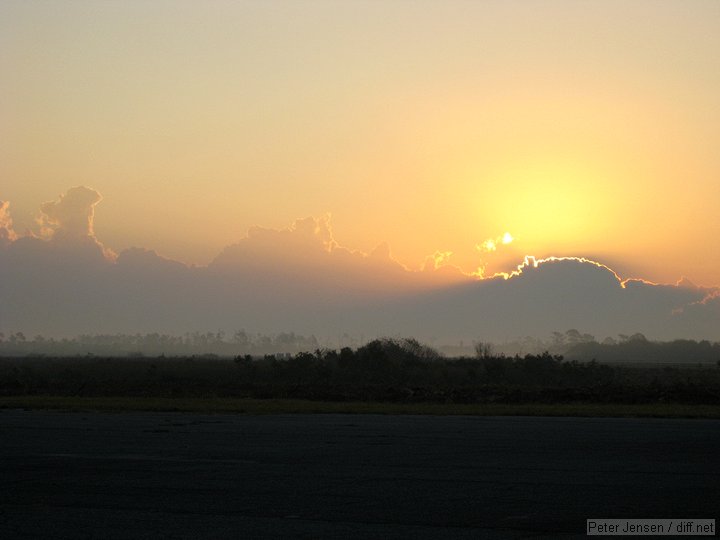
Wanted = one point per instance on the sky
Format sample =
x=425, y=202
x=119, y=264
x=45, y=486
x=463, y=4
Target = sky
x=456, y=133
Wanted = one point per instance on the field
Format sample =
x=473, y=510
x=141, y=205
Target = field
x=382, y=377
x=297, y=406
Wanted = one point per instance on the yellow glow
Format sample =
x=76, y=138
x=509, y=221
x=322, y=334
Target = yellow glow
x=491, y=244
x=468, y=120
x=547, y=203
x=488, y=245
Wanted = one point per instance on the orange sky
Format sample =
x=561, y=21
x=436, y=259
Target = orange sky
x=586, y=129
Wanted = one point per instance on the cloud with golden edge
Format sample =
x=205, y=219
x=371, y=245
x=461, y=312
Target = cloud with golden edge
x=436, y=260
x=489, y=246
x=7, y=234
x=68, y=220
x=307, y=248
x=530, y=262
x=492, y=244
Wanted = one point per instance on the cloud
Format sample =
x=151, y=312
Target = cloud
x=307, y=253
x=7, y=234
x=437, y=260
x=71, y=215
x=303, y=243
x=701, y=318
x=492, y=244
x=67, y=223
x=529, y=263
x=549, y=295
x=300, y=279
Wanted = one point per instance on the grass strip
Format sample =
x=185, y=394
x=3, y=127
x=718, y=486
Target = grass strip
x=295, y=406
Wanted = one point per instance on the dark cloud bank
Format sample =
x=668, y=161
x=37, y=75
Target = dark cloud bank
x=64, y=282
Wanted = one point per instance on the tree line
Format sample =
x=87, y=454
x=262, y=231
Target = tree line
x=156, y=344
x=396, y=370
x=572, y=344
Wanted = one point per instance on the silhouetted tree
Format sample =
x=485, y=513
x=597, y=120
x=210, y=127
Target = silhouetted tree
x=483, y=349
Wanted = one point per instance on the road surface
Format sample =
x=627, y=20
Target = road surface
x=175, y=475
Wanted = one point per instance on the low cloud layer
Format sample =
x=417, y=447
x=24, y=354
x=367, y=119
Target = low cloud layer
x=63, y=281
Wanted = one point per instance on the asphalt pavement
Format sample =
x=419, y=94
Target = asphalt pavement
x=175, y=475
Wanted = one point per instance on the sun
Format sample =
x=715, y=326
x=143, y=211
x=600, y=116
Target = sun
x=546, y=203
